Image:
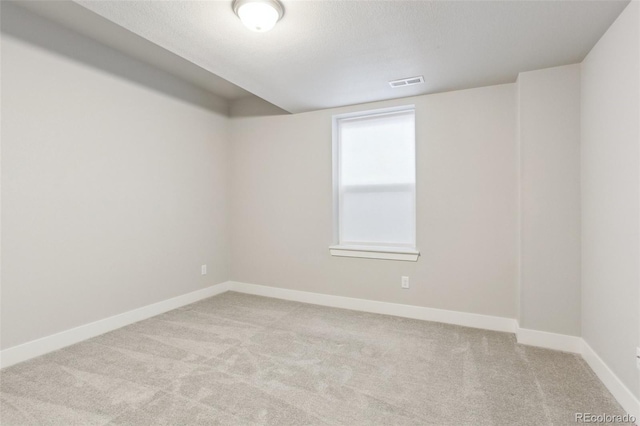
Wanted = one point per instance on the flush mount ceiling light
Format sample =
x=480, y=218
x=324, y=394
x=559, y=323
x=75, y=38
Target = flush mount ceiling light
x=258, y=15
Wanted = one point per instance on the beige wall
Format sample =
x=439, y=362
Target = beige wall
x=549, y=146
x=281, y=213
x=610, y=196
x=113, y=194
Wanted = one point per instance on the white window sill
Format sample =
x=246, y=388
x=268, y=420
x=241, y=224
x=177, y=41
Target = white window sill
x=370, y=252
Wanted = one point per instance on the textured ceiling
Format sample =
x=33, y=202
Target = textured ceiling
x=332, y=53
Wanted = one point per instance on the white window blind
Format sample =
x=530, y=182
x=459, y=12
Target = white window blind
x=376, y=179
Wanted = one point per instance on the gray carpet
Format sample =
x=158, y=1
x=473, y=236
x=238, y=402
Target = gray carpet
x=238, y=359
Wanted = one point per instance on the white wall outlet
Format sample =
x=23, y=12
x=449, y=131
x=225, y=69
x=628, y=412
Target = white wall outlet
x=203, y=269
x=405, y=282
x=638, y=358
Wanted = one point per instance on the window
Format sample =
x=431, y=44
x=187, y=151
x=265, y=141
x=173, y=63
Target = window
x=375, y=184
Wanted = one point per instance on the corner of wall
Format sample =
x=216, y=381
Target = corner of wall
x=548, y=139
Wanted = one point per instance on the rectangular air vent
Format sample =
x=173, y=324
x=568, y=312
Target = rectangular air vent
x=406, y=81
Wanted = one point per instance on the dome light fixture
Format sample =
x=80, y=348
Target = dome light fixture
x=258, y=15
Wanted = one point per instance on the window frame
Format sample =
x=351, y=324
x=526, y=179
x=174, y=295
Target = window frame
x=388, y=251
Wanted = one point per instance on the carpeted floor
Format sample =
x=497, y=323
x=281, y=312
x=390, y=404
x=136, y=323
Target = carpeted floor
x=238, y=359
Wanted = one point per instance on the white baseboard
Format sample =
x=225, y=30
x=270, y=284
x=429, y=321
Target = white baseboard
x=34, y=348
x=466, y=319
x=620, y=392
x=65, y=338
x=543, y=339
x=560, y=342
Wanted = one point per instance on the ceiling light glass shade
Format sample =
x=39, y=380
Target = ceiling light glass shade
x=258, y=15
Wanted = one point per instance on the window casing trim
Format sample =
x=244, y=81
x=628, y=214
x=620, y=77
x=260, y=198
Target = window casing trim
x=375, y=252
x=407, y=252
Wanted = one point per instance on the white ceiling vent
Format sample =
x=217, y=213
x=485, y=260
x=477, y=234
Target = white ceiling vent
x=406, y=82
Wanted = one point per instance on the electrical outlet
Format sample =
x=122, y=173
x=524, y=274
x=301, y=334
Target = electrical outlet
x=638, y=358
x=203, y=269
x=405, y=282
